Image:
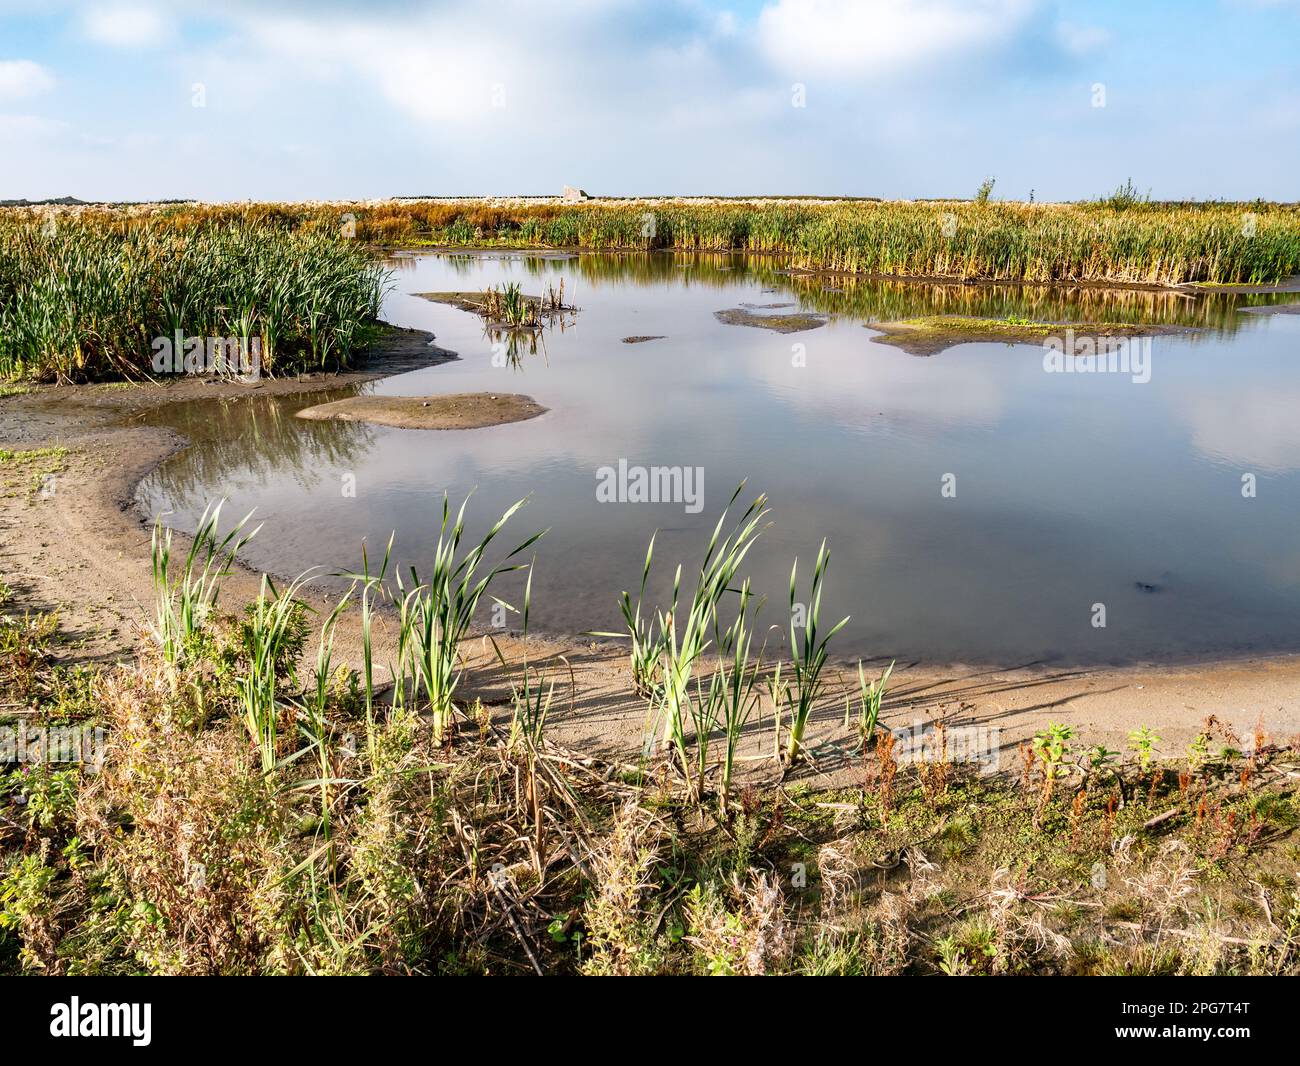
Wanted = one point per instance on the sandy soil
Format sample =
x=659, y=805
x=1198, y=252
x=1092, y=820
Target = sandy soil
x=457, y=410
x=84, y=549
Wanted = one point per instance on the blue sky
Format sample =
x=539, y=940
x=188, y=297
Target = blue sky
x=901, y=98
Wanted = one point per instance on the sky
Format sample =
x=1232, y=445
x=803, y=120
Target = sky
x=294, y=100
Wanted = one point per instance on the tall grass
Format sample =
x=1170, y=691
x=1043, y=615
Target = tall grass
x=89, y=297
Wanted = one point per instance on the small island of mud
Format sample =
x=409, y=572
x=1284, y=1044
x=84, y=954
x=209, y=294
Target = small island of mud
x=752, y=315
x=474, y=302
x=642, y=338
x=463, y=410
x=933, y=334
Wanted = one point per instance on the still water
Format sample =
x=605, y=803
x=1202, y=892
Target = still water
x=1063, y=491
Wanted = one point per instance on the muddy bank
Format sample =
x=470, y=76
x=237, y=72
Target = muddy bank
x=792, y=322
x=461, y=410
x=1272, y=309
x=83, y=549
x=933, y=334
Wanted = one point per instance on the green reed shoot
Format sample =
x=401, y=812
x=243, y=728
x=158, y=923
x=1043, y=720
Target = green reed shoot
x=184, y=602
x=271, y=632
x=647, y=642
x=809, y=653
x=436, y=614
x=732, y=689
x=684, y=643
x=529, y=702
x=315, y=727
x=871, y=694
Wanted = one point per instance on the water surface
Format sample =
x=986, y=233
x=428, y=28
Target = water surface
x=1071, y=490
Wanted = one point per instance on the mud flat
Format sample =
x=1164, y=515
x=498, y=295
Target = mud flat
x=932, y=334
x=755, y=317
x=461, y=410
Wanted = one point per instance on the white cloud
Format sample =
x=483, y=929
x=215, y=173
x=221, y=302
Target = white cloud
x=1247, y=428
x=20, y=78
x=125, y=27
x=24, y=128
x=871, y=38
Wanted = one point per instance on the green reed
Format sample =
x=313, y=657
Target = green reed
x=184, y=602
x=435, y=615
x=91, y=296
x=809, y=653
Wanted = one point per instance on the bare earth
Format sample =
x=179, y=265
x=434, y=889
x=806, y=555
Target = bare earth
x=84, y=549
x=937, y=333
x=457, y=410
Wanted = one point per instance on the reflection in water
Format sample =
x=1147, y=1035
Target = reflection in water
x=256, y=440
x=511, y=346
x=1071, y=490
x=871, y=299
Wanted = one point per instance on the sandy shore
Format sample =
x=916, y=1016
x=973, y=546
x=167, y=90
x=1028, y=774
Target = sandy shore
x=83, y=549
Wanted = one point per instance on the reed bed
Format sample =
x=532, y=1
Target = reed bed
x=86, y=292
x=88, y=296
x=1116, y=241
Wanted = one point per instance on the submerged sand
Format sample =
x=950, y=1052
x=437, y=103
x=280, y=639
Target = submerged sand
x=460, y=410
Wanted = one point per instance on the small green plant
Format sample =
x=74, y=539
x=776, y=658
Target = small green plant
x=871, y=694
x=1142, y=741
x=985, y=190
x=1099, y=760
x=647, y=643
x=1051, y=746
